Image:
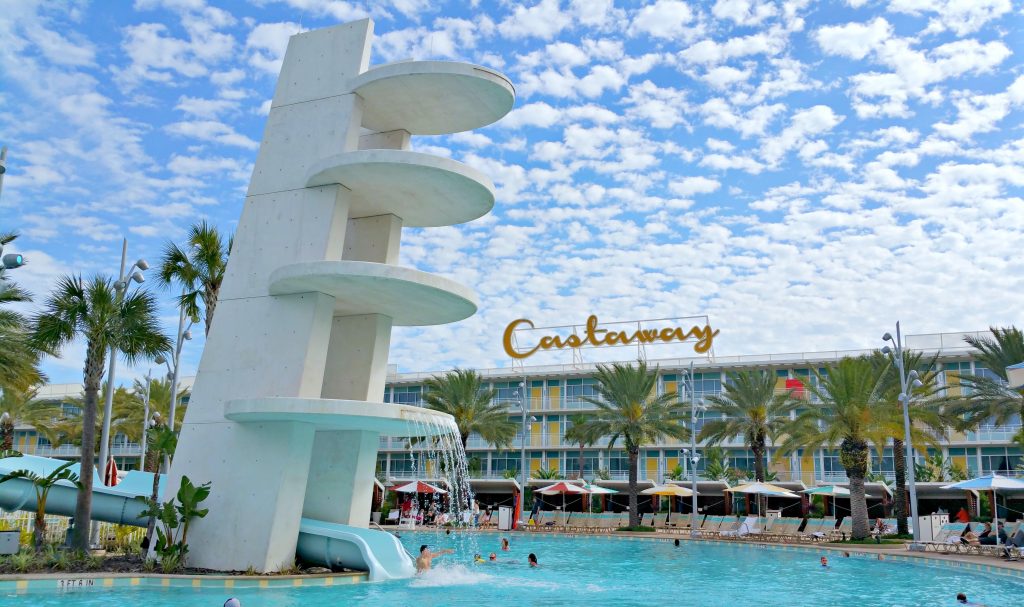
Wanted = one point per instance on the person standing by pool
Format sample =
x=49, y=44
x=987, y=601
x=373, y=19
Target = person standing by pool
x=426, y=558
x=532, y=560
x=476, y=513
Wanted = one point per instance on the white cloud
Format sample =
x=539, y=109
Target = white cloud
x=267, y=43
x=743, y=12
x=688, y=186
x=212, y=131
x=664, y=19
x=961, y=16
x=543, y=20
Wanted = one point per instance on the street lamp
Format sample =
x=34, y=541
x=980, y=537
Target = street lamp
x=145, y=419
x=184, y=334
x=521, y=395
x=914, y=382
x=135, y=275
x=692, y=452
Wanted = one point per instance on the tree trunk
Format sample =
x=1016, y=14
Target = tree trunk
x=853, y=455
x=151, y=524
x=7, y=430
x=634, y=514
x=40, y=530
x=899, y=457
x=758, y=449
x=95, y=357
x=581, y=459
x=210, y=302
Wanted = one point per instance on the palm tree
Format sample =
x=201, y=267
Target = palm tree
x=106, y=319
x=629, y=407
x=19, y=361
x=580, y=434
x=924, y=416
x=42, y=485
x=128, y=418
x=462, y=394
x=23, y=407
x=750, y=408
x=162, y=441
x=852, y=415
x=199, y=269
x=990, y=399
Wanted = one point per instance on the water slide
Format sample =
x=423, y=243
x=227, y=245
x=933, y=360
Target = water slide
x=328, y=544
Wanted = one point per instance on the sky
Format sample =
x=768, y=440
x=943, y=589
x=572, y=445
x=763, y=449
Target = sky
x=803, y=173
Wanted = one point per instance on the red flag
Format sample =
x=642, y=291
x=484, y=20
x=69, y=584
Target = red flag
x=110, y=474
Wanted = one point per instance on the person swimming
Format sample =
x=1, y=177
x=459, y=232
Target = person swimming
x=492, y=557
x=477, y=559
x=532, y=560
x=426, y=558
x=824, y=562
x=504, y=544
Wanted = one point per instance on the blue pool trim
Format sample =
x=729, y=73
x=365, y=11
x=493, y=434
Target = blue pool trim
x=79, y=582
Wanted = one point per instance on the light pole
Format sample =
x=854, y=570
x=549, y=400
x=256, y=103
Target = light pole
x=915, y=382
x=521, y=393
x=145, y=419
x=694, y=456
x=134, y=275
x=184, y=334
x=3, y=166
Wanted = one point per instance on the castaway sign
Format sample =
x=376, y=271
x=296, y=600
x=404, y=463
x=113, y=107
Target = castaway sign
x=594, y=336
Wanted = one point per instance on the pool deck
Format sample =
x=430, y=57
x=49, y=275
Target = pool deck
x=70, y=582
x=892, y=552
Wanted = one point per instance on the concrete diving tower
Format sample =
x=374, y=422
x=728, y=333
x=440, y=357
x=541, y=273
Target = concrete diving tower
x=287, y=410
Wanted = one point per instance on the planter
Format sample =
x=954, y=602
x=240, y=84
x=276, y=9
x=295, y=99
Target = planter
x=10, y=542
x=375, y=517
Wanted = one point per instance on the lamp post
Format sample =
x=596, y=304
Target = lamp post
x=521, y=393
x=914, y=382
x=145, y=419
x=184, y=334
x=694, y=456
x=134, y=274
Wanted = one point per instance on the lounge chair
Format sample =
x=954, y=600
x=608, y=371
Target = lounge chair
x=647, y=520
x=709, y=527
x=948, y=538
x=748, y=526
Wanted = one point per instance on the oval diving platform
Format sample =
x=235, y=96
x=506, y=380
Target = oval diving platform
x=432, y=97
x=409, y=297
x=423, y=190
x=328, y=414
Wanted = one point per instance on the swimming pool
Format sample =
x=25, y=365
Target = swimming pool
x=608, y=571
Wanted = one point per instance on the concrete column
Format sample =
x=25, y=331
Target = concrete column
x=341, y=473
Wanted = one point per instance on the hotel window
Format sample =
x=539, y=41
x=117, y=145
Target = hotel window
x=508, y=392
x=576, y=389
x=999, y=460
x=966, y=458
x=504, y=460
x=618, y=463
x=407, y=395
x=407, y=463
x=885, y=466
x=591, y=463
x=831, y=468
x=382, y=465
x=743, y=459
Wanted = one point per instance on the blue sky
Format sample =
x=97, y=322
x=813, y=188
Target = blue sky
x=805, y=173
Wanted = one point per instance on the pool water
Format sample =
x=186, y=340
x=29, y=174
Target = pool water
x=609, y=571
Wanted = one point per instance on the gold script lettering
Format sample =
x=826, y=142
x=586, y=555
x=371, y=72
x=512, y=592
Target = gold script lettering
x=594, y=336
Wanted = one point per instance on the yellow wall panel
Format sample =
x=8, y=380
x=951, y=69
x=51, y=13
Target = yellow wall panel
x=554, y=397
x=671, y=387
x=536, y=428
x=536, y=398
x=554, y=434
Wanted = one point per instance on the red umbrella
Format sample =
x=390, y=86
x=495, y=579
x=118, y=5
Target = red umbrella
x=563, y=487
x=110, y=474
x=419, y=487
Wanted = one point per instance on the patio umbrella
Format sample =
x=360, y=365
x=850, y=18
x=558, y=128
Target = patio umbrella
x=110, y=474
x=991, y=482
x=827, y=491
x=419, y=487
x=669, y=490
x=766, y=489
x=563, y=488
x=598, y=490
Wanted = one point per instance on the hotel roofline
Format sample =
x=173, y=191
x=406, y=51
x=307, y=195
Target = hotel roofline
x=944, y=346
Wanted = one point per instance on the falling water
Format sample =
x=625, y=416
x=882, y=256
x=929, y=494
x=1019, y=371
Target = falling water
x=439, y=454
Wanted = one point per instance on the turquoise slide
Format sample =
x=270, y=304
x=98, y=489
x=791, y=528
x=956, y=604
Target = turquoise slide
x=327, y=544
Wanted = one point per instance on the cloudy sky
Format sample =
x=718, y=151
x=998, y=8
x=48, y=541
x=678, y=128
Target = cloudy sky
x=805, y=173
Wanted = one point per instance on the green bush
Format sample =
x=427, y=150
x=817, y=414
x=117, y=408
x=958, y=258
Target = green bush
x=637, y=529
